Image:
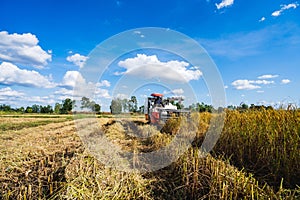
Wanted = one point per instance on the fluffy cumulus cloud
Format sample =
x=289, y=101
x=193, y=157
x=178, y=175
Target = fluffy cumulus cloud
x=224, y=3
x=22, y=49
x=77, y=59
x=12, y=75
x=71, y=78
x=267, y=76
x=283, y=8
x=149, y=67
x=104, y=83
x=285, y=81
x=250, y=84
x=20, y=98
x=8, y=92
x=75, y=85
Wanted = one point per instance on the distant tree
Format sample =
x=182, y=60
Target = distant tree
x=192, y=107
x=179, y=105
x=46, y=109
x=5, y=108
x=67, y=106
x=125, y=105
x=21, y=109
x=97, y=108
x=85, y=103
x=231, y=107
x=133, y=104
x=141, y=109
x=204, y=107
x=243, y=106
x=92, y=105
x=28, y=109
x=116, y=106
x=35, y=108
x=57, y=108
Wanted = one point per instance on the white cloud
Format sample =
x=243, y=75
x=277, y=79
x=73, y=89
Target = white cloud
x=267, y=76
x=122, y=96
x=250, y=84
x=8, y=92
x=77, y=59
x=224, y=3
x=104, y=83
x=149, y=67
x=23, y=49
x=260, y=91
x=178, y=92
x=276, y=13
x=12, y=75
x=244, y=85
x=139, y=33
x=283, y=8
x=71, y=78
x=74, y=84
x=101, y=93
x=262, y=19
x=39, y=99
x=285, y=81
x=13, y=97
x=263, y=82
x=64, y=91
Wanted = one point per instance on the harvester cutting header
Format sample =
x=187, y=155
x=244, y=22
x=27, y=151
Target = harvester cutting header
x=159, y=110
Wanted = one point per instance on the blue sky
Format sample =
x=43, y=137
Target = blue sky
x=44, y=46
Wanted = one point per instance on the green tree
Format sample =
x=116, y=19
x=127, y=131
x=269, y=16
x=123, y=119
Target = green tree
x=46, y=109
x=5, y=108
x=97, y=108
x=57, y=108
x=85, y=103
x=243, y=106
x=116, y=106
x=92, y=105
x=133, y=104
x=179, y=105
x=125, y=104
x=141, y=109
x=28, y=109
x=35, y=108
x=67, y=106
x=21, y=110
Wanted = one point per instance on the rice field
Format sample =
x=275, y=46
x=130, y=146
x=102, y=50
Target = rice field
x=256, y=157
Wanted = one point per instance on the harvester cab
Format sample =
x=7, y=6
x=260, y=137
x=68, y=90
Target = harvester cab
x=159, y=110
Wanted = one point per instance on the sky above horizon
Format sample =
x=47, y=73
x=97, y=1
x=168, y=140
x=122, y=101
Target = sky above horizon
x=45, y=47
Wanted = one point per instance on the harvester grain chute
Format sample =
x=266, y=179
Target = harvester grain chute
x=159, y=110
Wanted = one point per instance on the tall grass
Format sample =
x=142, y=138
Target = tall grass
x=265, y=143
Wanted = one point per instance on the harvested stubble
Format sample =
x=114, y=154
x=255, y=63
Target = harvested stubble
x=33, y=160
x=12, y=123
x=49, y=162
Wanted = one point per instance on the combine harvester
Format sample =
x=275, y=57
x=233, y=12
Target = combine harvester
x=158, y=110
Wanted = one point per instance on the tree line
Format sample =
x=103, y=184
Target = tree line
x=65, y=107
x=117, y=106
